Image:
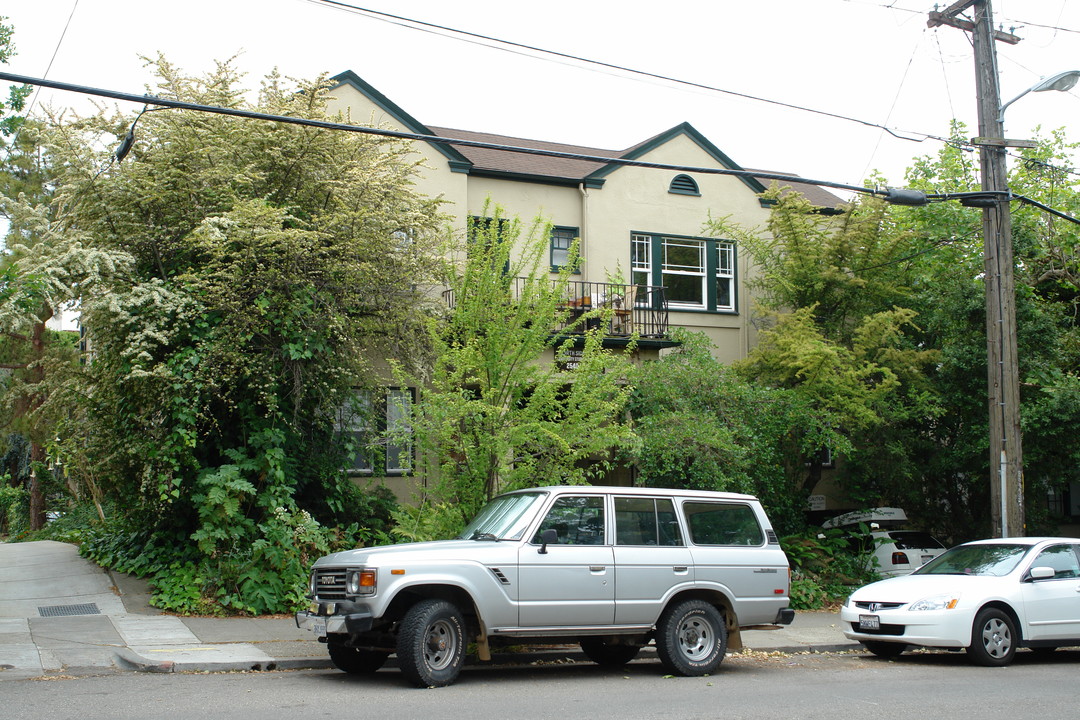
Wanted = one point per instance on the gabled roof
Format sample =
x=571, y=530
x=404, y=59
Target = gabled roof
x=544, y=168
x=493, y=162
x=458, y=162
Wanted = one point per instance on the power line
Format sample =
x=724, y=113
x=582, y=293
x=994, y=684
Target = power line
x=897, y=196
x=431, y=27
x=52, y=59
x=437, y=139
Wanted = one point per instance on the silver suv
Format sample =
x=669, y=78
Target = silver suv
x=612, y=567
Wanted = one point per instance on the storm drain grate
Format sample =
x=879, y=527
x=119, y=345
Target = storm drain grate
x=65, y=610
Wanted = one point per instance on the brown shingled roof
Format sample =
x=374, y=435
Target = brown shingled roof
x=556, y=168
x=815, y=194
x=521, y=164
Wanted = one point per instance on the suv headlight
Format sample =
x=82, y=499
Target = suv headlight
x=937, y=602
x=360, y=582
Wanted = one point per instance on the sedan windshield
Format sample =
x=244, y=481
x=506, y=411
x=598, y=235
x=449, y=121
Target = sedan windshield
x=987, y=560
x=504, y=518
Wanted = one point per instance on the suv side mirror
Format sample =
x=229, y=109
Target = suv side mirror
x=549, y=536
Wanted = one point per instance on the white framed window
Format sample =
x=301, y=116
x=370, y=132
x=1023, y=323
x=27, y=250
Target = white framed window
x=697, y=273
x=683, y=272
x=641, y=260
x=725, y=276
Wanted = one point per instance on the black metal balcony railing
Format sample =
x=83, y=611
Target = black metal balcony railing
x=619, y=310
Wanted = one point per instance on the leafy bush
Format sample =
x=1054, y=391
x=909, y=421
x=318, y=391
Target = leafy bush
x=14, y=504
x=826, y=567
x=263, y=570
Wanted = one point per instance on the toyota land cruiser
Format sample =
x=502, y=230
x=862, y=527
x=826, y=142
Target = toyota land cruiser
x=614, y=568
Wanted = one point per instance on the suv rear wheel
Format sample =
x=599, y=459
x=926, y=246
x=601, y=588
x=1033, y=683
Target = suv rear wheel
x=691, y=638
x=431, y=643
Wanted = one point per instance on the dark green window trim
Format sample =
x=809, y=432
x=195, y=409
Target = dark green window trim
x=714, y=265
x=562, y=238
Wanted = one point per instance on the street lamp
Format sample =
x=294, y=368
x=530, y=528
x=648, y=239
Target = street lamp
x=1062, y=82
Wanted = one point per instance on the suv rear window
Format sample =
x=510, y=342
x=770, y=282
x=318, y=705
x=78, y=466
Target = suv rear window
x=722, y=524
x=646, y=521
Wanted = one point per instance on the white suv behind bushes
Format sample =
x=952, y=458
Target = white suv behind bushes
x=614, y=568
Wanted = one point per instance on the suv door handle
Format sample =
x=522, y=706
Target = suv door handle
x=680, y=569
x=597, y=568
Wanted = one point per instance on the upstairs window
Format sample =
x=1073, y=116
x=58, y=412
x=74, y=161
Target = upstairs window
x=697, y=273
x=684, y=185
x=561, y=240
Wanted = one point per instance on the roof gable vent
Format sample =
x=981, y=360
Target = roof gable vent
x=684, y=185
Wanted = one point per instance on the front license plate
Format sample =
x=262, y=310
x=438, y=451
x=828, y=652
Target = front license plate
x=869, y=622
x=319, y=628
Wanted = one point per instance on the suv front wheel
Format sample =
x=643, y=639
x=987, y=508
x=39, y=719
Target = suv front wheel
x=431, y=643
x=691, y=638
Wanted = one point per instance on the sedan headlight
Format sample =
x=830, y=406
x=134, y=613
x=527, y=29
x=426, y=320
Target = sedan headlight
x=937, y=602
x=360, y=582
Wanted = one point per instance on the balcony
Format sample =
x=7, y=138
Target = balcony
x=619, y=310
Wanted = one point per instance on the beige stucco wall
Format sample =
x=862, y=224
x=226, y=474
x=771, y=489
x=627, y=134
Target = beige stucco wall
x=631, y=199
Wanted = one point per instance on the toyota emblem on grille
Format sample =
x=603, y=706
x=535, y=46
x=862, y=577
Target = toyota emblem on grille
x=327, y=580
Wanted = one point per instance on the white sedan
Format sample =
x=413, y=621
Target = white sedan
x=989, y=597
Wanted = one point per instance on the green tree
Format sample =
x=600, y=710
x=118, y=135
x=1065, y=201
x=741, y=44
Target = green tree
x=506, y=406
x=10, y=120
x=703, y=426
x=272, y=266
x=41, y=271
x=837, y=329
x=950, y=299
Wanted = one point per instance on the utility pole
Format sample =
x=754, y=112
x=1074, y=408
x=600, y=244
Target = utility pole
x=1003, y=378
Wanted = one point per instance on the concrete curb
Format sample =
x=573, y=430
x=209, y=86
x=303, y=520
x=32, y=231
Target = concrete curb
x=130, y=660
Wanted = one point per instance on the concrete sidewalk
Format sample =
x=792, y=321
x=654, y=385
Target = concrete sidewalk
x=63, y=615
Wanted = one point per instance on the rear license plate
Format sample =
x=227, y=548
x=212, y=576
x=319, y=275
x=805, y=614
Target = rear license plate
x=927, y=558
x=869, y=622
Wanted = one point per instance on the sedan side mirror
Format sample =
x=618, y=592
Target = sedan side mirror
x=1042, y=572
x=549, y=536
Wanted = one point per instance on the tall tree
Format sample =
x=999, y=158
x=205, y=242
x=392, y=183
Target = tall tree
x=39, y=274
x=703, y=426
x=520, y=394
x=833, y=305
x=272, y=267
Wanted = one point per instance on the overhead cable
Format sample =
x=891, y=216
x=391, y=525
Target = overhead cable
x=897, y=196
x=398, y=19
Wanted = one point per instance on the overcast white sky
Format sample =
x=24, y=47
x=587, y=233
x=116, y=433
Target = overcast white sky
x=873, y=60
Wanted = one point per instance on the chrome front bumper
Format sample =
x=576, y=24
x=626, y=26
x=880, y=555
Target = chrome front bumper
x=322, y=625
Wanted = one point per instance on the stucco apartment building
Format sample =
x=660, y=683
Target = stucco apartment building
x=644, y=223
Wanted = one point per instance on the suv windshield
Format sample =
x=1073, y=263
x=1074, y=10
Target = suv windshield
x=991, y=560
x=504, y=518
